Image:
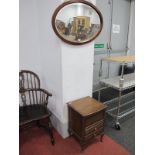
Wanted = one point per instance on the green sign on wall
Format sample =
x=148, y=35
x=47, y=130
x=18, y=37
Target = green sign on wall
x=99, y=46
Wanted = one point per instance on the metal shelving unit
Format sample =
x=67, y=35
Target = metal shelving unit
x=120, y=83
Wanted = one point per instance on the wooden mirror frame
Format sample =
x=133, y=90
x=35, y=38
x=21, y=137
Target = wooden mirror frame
x=71, y=2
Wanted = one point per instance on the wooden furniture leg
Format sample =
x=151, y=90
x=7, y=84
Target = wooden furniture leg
x=101, y=137
x=51, y=131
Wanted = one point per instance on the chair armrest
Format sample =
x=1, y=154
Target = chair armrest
x=22, y=90
x=45, y=91
x=37, y=95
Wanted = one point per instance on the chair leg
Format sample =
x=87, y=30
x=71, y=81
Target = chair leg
x=51, y=131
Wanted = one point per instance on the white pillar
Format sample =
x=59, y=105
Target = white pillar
x=77, y=75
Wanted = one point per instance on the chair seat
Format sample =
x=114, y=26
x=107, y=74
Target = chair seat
x=31, y=113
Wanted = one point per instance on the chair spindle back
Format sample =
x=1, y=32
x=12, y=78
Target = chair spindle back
x=34, y=97
x=28, y=80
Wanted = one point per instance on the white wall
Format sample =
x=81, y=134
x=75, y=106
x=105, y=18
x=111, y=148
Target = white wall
x=40, y=48
x=29, y=55
x=65, y=70
x=50, y=55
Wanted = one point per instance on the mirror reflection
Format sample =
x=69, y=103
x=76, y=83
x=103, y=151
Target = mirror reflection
x=77, y=22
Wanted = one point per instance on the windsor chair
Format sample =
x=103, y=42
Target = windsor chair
x=33, y=106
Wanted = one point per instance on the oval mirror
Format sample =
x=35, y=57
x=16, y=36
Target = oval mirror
x=77, y=22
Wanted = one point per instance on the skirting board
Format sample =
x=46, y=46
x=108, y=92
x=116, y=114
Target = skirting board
x=61, y=127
